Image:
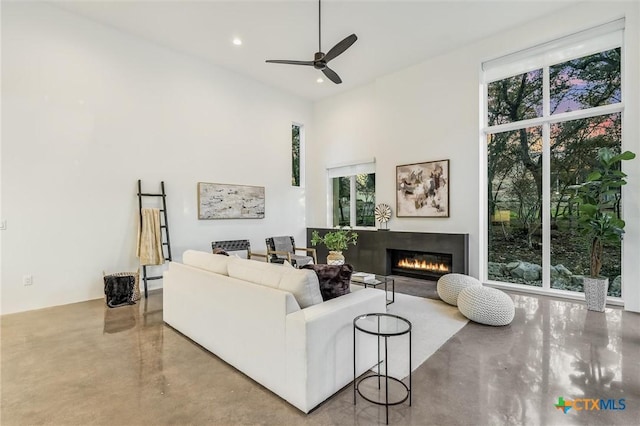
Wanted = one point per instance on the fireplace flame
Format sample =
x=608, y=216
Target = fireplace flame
x=423, y=265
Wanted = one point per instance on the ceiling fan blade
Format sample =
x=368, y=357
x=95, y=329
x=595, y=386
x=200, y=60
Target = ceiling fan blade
x=271, y=61
x=340, y=47
x=331, y=75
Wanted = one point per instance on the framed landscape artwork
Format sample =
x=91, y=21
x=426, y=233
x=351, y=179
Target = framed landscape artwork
x=422, y=189
x=223, y=201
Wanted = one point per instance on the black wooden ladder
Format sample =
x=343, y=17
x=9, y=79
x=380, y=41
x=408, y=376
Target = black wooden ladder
x=164, y=235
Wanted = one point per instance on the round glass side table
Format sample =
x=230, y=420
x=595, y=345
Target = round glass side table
x=383, y=326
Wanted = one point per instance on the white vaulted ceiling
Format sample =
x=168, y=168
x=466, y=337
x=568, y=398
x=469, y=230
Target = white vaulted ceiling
x=391, y=34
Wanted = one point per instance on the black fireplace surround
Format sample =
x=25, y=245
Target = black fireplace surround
x=373, y=251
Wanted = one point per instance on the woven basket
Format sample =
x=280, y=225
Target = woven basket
x=136, y=287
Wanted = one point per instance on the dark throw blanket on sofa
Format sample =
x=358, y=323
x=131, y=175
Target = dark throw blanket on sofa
x=334, y=279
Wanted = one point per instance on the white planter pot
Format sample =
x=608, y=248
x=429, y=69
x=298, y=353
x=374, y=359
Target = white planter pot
x=595, y=293
x=335, y=258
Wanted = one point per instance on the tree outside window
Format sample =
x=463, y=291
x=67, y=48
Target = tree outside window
x=365, y=199
x=354, y=199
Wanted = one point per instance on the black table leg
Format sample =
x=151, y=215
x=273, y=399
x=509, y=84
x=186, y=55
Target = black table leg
x=354, y=364
x=386, y=380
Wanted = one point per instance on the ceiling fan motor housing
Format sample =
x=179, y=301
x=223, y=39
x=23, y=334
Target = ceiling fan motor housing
x=318, y=62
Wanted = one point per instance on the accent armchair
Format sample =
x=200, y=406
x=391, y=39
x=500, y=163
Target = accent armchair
x=284, y=248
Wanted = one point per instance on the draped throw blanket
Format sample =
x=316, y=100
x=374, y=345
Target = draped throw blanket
x=149, y=238
x=283, y=244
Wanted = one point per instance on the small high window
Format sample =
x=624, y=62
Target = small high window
x=296, y=131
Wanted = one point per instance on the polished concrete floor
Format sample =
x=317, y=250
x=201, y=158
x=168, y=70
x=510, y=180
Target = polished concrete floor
x=85, y=364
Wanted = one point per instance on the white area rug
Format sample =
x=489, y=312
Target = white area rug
x=433, y=323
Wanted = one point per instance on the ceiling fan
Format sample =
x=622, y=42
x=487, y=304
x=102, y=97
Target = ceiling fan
x=321, y=59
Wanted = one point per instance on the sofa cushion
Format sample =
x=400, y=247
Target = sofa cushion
x=334, y=280
x=262, y=273
x=207, y=261
x=302, y=284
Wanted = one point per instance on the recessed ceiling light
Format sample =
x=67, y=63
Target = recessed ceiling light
x=237, y=41
x=319, y=80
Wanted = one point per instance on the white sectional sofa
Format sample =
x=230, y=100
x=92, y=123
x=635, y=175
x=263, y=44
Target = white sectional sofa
x=266, y=320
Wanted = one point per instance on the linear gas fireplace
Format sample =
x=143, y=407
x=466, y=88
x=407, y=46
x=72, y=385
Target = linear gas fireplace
x=419, y=264
x=373, y=252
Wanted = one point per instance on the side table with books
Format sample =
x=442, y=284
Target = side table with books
x=372, y=280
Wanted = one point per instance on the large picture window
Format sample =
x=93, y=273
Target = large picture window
x=548, y=111
x=353, y=194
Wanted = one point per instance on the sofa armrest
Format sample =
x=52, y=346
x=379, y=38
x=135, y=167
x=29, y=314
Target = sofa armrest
x=320, y=346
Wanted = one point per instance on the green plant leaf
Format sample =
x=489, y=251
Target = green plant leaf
x=619, y=223
x=589, y=209
x=605, y=155
x=627, y=155
x=337, y=240
x=593, y=176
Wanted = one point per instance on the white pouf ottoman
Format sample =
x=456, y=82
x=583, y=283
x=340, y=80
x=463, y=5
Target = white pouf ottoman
x=450, y=285
x=486, y=305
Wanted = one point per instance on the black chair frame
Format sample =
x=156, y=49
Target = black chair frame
x=272, y=253
x=236, y=245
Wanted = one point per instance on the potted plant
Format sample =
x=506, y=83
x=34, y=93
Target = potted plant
x=598, y=221
x=336, y=241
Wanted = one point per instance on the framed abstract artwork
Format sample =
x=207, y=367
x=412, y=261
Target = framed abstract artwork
x=422, y=189
x=224, y=201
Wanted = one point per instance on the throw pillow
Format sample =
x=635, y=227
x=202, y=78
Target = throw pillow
x=218, y=250
x=334, y=279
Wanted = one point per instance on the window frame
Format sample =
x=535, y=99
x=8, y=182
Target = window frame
x=604, y=37
x=301, y=162
x=350, y=170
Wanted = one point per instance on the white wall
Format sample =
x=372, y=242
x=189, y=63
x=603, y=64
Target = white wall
x=432, y=112
x=86, y=112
